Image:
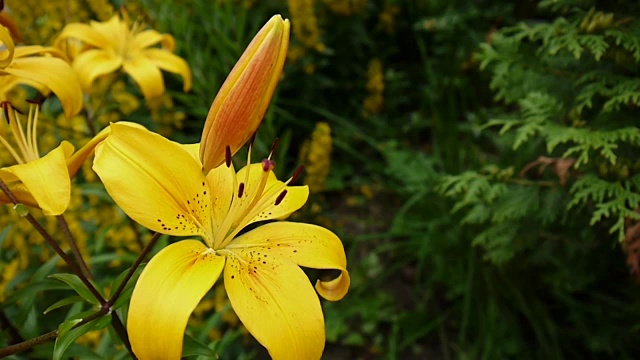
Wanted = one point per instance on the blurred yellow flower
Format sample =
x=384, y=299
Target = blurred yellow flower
x=117, y=46
x=374, y=102
x=315, y=154
x=22, y=65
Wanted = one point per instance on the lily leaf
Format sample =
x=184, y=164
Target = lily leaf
x=64, y=302
x=77, y=285
x=69, y=335
x=128, y=289
x=193, y=347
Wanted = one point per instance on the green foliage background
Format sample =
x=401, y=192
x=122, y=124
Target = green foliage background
x=487, y=208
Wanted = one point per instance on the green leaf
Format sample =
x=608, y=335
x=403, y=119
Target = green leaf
x=64, y=302
x=192, y=347
x=77, y=285
x=3, y=236
x=64, y=328
x=69, y=335
x=128, y=289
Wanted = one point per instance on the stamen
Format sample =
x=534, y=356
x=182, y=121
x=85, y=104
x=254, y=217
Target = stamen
x=39, y=100
x=252, y=139
x=281, y=197
x=227, y=156
x=240, y=190
x=274, y=146
x=296, y=174
x=268, y=165
x=5, y=108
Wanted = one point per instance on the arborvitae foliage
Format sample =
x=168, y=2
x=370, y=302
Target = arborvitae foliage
x=573, y=79
x=553, y=201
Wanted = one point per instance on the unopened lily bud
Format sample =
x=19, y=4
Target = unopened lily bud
x=243, y=99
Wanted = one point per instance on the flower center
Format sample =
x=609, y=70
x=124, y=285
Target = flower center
x=25, y=148
x=251, y=197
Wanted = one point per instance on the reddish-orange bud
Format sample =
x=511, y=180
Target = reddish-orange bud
x=243, y=99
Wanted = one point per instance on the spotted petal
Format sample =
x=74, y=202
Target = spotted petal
x=275, y=301
x=168, y=290
x=154, y=181
x=304, y=244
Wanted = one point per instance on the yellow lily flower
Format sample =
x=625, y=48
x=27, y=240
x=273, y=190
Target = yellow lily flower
x=41, y=182
x=245, y=95
x=161, y=186
x=19, y=65
x=132, y=49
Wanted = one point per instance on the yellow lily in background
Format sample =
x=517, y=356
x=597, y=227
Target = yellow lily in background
x=245, y=95
x=161, y=186
x=41, y=182
x=132, y=49
x=19, y=65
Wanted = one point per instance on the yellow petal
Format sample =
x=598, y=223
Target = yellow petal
x=148, y=38
x=8, y=82
x=93, y=63
x=7, y=41
x=56, y=74
x=47, y=179
x=146, y=74
x=171, y=63
x=193, y=150
x=75, y=161
x=32, y=50
x=294, y=199
x=275, y=301
x=245, y=95
x=115, y=31
x=154, y=181
x=220, y=182
x=21, y=193
x=169, y=288
x=84, y=33
x=306, y=245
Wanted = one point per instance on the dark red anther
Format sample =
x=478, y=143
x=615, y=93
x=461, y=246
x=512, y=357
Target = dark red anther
x=39, y=100
x=5, y=107
x=227, y=156
x=274, y=146
x=268, y=165
x=296, y=174
x=281, y=197
x=240, y=190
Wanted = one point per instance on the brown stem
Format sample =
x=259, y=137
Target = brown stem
x=122, y=332
x=28, y=344
x=54, y=245
x=133, y=268
x=74, y=247
x=117, y=324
